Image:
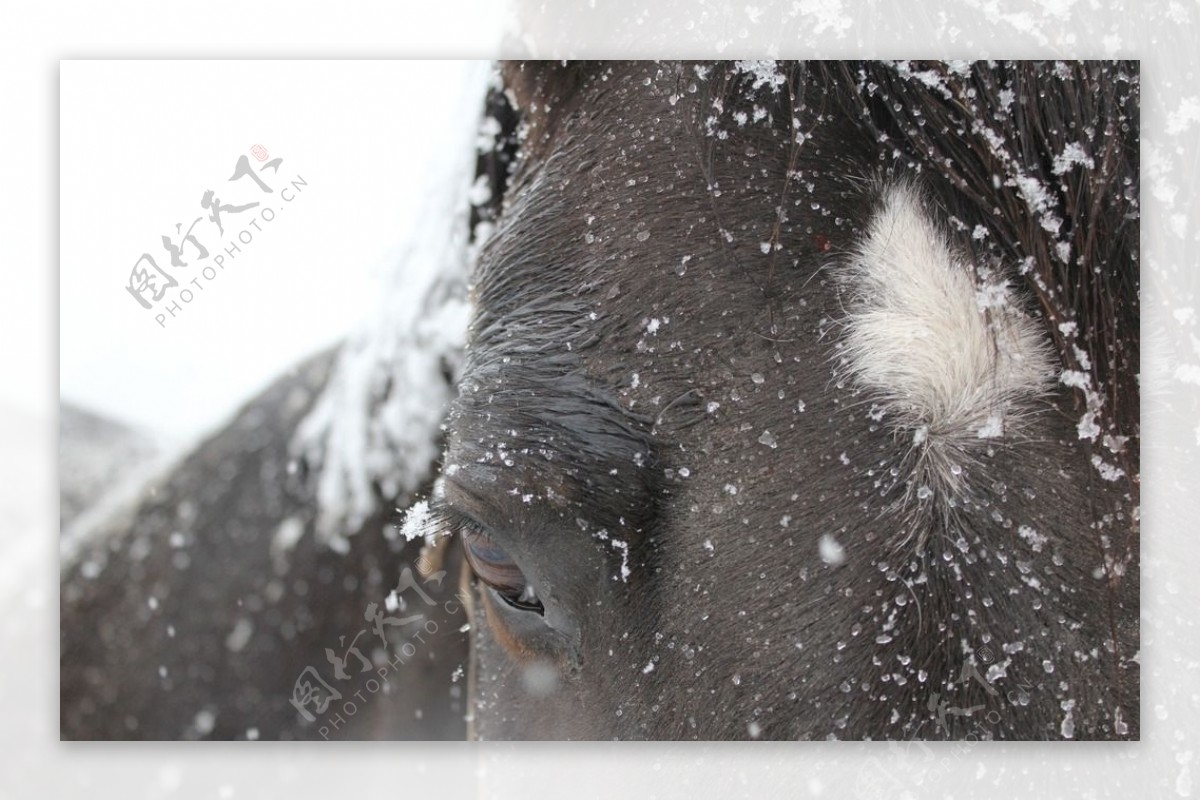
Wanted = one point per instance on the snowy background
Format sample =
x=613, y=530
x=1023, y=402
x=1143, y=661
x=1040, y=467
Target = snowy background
x=367, y=137
x=1161, y=33
x=379, y=155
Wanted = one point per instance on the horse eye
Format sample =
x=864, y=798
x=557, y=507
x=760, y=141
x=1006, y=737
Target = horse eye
x=494, y=567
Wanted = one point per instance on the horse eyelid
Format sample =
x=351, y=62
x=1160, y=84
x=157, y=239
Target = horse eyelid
x=451, y=520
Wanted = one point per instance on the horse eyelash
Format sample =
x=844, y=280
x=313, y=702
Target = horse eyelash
x=440, y=518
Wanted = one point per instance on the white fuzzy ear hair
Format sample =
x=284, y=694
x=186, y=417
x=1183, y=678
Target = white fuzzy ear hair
x=939, y=344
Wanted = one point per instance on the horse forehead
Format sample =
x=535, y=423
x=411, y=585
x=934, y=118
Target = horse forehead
x=600, y=248
x=613, y=269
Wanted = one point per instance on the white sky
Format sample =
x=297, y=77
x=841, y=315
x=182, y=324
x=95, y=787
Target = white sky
x=141, y=141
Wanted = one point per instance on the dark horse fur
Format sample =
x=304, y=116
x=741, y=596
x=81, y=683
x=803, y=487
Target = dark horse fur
x=654, y=428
